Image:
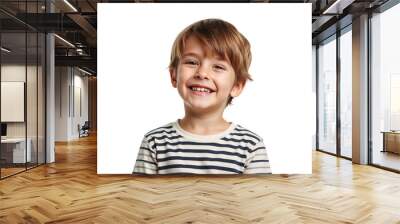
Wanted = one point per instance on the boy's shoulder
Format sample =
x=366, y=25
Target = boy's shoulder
x=167, y=128
x=245, y=132
x=238, y=132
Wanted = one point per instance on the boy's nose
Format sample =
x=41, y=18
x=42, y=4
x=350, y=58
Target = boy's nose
x=201, y=73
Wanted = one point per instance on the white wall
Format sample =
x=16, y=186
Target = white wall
x=79, y=117
x=61, y=103
x=69, y=82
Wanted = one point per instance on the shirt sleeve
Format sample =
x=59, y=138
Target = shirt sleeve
x=146, y=162
x=257, y=161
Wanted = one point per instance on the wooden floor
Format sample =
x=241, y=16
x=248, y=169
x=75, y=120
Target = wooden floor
x=387, y=159
x=70, y=191
x=10, y=171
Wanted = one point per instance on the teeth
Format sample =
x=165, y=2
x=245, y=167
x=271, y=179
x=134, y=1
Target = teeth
x=200, y=89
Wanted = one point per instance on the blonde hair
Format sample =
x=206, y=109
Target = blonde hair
x=223, y=39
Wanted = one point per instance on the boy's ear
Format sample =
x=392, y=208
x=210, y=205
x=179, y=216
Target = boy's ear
x=237, y=88
x=172, y=74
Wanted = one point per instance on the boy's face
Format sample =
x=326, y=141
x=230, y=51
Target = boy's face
x=204, y=81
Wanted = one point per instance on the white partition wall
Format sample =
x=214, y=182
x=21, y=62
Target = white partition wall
x=71, y=102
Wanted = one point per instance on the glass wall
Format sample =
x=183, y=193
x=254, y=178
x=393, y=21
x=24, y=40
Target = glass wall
x=346, y=92
x=327, y=95
x=13, y=90
x=384, y=91
x=385, y=88
x=22, y=91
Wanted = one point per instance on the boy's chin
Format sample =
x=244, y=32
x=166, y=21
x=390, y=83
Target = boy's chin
x=201, y=106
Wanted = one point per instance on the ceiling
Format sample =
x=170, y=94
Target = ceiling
x=76, y=22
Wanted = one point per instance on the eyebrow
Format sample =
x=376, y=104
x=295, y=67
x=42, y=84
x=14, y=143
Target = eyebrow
x=191, y=54
x=216, y=57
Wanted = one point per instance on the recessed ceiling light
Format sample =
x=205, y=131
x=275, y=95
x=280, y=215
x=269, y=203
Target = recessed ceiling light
x=84, y=71
x=5, y=50
x=337, y=7
x=70, y=5
x=64, y=40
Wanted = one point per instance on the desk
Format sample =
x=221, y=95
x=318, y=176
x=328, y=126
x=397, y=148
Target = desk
x=391, y=141
x=15, y=148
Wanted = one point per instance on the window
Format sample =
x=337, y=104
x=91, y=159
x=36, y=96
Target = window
x=327, y=96
x=385, y=88
x=346, y=93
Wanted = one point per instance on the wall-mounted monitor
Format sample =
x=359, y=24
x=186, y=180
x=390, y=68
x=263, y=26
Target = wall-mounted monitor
x=12, y=101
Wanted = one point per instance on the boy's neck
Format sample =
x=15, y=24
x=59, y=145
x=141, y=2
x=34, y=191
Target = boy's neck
x=205, y=124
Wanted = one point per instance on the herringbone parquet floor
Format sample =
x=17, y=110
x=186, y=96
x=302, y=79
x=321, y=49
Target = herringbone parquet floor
x=70, y=191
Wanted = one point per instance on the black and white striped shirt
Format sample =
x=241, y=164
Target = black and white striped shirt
x=171, y=150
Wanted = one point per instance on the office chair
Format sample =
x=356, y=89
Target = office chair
x=84, y=130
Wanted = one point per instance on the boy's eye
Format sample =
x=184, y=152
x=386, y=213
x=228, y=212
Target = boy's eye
x=191, y=62
x=219, y=67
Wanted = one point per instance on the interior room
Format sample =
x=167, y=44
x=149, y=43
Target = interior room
x=48, y=105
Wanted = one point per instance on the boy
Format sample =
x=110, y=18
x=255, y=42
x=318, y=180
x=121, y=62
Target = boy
x=209, y=67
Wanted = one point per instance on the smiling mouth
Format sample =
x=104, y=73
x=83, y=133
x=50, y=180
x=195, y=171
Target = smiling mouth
x=201, y=89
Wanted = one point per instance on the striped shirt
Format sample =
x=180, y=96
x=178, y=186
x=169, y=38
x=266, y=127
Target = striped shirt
x=171, y=150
